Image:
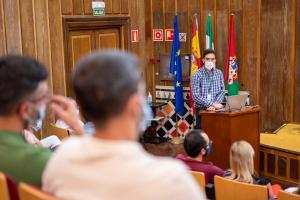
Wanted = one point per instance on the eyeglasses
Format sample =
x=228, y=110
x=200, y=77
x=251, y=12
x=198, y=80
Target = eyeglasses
x=209, y=59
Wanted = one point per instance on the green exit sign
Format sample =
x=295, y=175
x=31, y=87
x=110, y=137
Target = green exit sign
x=98, y=8
x=98, y=11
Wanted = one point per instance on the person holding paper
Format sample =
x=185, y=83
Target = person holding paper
x=50, y=142
x=207, y=86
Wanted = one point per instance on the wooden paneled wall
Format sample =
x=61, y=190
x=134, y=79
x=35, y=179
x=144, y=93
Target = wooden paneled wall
x=83, y=7
x=26, y=29
x=296, y=94
x=267, y=37
x=278, y=61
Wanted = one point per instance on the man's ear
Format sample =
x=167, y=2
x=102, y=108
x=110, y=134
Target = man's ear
x=202, y=151
x=24, y=110
x=134, y=106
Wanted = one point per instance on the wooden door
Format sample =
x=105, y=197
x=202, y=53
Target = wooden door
x=86, y=34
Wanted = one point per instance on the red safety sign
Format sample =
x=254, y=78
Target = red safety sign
x=158, y=35
x=134, y=35
x=169, y=34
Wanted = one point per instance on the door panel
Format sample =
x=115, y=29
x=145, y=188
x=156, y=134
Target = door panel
x=108, y=39
x=80, y=43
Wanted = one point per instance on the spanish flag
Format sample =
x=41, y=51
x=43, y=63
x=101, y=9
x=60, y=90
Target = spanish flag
x=195, y=56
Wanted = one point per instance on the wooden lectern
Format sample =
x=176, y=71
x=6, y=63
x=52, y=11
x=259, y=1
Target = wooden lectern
x=224, y=128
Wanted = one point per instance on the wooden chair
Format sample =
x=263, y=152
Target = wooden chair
x=287, y=196
x=59, y=132
x=228, y=189
x=4, y=193
x=27, y=192
x=200, y=179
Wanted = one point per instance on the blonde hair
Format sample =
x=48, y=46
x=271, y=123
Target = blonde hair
x=241, y=162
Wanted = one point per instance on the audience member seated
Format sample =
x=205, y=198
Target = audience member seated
x=23, y=95
x=50, y=142
x=23, y=98
x=111, y=164
x=197, y=144
x=242, y=166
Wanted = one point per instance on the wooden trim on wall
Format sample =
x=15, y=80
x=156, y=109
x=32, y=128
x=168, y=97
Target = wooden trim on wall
x=11, y=10
x=258, y=62
x=3, y=42
x=296, y=89
x=293, y=61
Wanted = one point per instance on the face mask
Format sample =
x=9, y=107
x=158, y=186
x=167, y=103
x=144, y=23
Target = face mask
x=208, y=150
x=37, y=124
x=89, y=128
x=146, y=116
x=209, y=65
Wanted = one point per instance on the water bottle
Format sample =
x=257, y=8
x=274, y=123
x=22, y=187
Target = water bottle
x=149, y=99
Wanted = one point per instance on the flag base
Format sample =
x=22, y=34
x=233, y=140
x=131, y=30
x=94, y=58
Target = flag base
x=177, y=140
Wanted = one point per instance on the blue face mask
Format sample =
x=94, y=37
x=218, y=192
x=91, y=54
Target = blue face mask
x=208, y=149
x=38, y=123
x=146, y=116
x=89, y=128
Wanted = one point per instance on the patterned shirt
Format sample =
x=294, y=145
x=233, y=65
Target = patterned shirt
x=207, y=88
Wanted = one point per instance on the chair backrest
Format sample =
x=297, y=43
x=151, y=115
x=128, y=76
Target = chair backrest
x=4, y=193
x=28, y=192
x=12, y=188
x=229, y=189
x=59, y=132
x=200, y=179
x=287, y=196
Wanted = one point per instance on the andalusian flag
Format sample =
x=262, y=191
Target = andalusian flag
x=195, y=56
x=231, y=68
x=176, y=69
x=209, y=42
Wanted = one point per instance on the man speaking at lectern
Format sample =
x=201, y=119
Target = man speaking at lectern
x=207, y=86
